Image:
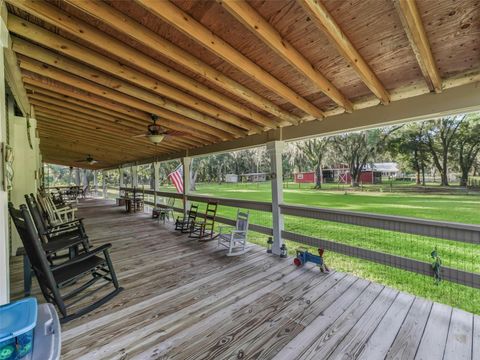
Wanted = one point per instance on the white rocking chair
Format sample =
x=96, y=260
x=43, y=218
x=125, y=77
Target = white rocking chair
x=235, y=239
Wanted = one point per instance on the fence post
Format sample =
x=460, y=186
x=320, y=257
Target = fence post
x=186, y=162
x=274, y=149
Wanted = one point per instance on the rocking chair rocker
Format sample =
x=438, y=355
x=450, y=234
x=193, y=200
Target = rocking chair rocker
x=184, y=224
x=235, y=239
x=201, y=229
x=66, y=275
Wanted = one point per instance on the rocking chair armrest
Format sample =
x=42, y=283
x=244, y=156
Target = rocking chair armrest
x=54, y=246
x=227, y=228
x=236, y=231
x=74, y=226
x=104, y=248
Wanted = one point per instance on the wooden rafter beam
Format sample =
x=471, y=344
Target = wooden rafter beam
x=44, y=92
x=69, y=92
x=49, y=127
x=76, y=146
x=169, y=119
x=92, y=35
x=320, y=15
x=196, y=31
x=145, y=36
x=244, y=13
x=72, y=127
x=192, y=107
x=413, y=26
x=83, y=107
x=97, y=117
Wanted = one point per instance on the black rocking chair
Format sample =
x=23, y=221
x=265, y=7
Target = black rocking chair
x=66, y=275
x=203, y=229
x=184, y=224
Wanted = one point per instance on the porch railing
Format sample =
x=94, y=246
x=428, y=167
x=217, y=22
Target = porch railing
x=403, y=235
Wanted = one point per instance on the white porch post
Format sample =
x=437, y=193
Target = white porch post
x=156, y=181
x=274, y=149
x=95, y=182
x=134, y=176
x=186, y=162
x=120, y=178
x=104, y=184
x=4, y=234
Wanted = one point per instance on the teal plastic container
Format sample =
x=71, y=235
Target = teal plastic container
x=17, y=322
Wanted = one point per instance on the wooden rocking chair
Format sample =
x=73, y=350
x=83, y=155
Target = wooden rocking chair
x=184, y=224
x=201, y=229
x=94, y=264
x=235, y=239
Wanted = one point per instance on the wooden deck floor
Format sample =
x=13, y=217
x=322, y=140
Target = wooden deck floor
x=185, y=300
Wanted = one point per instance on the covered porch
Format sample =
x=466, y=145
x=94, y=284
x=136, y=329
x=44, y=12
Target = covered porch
x=186, y=300
x=111, y=86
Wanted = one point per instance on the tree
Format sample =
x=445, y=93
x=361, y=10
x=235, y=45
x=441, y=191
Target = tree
x=409, y=147
x=440, y=135
x=314, y=150
x=467, y=146
x=357, y=149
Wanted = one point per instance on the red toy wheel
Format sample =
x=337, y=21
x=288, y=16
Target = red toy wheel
x=297, y=262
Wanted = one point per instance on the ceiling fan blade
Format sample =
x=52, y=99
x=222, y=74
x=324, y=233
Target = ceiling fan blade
x=141, y=135
x=176, y=133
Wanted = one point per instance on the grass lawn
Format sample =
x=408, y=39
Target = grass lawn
x=443, y=207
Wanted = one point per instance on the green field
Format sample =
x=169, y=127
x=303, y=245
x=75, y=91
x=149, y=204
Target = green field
x=451, y=207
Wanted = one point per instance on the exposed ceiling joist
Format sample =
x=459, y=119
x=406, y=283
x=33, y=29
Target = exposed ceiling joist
x=90, y=34
x=413, y=25
x=46, y=38
x=69, y=92
x=243, y=12
x=320, y=15
x=169, y=119
x=195, y=30
x=145, y=36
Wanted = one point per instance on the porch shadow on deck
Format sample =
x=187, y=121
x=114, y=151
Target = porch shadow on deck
x=185, y=300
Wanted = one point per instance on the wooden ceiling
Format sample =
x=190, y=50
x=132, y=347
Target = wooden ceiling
x=221, y=70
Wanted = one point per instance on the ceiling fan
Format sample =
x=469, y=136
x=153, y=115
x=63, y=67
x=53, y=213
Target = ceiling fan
x=89, y=159
x=156, y=134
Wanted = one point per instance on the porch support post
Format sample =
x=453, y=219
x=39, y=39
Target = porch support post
x=104, y=183
x=4, y=228
x=156, y=181
x=120, y=178
x=95, y=182
x=134, y=176
x=186, y=162
x=274, y=149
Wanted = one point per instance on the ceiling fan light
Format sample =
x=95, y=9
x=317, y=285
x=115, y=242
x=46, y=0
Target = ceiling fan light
x=156, y=139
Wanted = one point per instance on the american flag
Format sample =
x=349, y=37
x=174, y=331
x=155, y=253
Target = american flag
x=176, y=177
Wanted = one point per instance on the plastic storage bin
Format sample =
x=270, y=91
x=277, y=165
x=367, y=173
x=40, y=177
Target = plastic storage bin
x=17, y=323
x=47, y=335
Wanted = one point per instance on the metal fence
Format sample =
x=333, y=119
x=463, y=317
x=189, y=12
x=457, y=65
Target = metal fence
x=395, y=241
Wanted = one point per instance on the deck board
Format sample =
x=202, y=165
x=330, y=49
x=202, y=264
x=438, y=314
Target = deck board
x=186, y=300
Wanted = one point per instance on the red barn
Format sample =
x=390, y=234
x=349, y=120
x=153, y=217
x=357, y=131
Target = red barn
x=305, y=177
x=340, y=175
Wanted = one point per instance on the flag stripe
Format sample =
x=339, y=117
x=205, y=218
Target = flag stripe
x=176, y=177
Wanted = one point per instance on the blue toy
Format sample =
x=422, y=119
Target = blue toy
x=303, y=256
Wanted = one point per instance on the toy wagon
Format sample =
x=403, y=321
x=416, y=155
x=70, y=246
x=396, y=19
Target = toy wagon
x=303, y=256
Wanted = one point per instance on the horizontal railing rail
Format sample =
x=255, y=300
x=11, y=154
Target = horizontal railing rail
x=437, y=229
x=420, y=267
x=459, y=232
